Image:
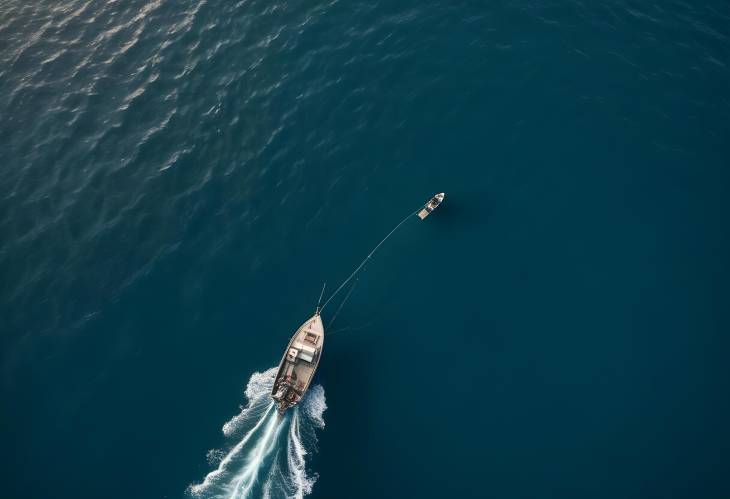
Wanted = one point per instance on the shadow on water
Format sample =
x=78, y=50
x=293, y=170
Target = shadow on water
x=345, y=371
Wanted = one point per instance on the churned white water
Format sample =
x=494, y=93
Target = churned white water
x=266, y=454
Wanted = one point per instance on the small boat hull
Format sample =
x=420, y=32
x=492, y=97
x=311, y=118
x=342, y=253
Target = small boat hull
x=299, y=363
x=432, y=204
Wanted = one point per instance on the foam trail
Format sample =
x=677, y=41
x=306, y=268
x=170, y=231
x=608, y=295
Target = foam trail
x=266, y=453
x=290, y=478
x=244, y=482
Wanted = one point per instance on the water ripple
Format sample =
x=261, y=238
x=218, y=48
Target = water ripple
x=135, y=131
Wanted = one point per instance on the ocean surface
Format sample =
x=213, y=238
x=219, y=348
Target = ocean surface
x=178, y=179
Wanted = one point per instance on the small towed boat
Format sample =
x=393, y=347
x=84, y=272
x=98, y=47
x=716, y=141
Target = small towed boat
x=431, y=205
x=299, y=364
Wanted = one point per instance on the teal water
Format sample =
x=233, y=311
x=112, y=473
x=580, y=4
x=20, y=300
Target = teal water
x=178, y=178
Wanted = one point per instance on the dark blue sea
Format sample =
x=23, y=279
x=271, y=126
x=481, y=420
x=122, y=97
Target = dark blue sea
x=179, y=178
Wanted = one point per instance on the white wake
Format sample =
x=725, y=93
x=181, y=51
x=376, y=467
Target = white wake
x=266, y=453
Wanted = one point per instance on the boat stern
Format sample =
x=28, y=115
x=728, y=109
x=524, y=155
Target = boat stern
x=281, y=407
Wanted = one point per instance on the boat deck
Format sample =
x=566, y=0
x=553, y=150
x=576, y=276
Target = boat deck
x=299, y=363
